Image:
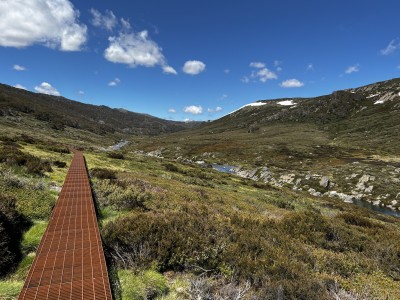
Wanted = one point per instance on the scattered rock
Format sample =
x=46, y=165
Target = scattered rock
x=156, y=153
x=369, y=189
x=313, y=192
x=287, y=178
x=324, y=182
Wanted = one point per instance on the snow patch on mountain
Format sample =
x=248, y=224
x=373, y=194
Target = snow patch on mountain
x=372, y=96
x=287, y=103
x=254, y=104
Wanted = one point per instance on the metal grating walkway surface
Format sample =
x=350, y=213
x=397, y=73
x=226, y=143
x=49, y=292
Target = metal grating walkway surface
x=70, y=262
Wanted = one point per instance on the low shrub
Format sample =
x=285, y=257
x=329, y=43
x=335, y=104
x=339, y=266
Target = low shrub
x=27, y=139
x=11, y=155
x=60, y=164
x=12, y=225
x=171, y=167
x=115, y=155
x=37, y=166
x=357, y=220
x=121, y=196
x=103, y=173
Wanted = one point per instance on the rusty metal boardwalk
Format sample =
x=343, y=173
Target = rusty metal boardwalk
x=70, y=261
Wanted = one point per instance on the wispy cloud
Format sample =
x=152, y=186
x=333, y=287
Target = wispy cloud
x=193, y=109
x=392, y=47
x=47, y=88
x=227, y=71
x=278, y=65
x=19, y=68
x=53, y=24
x=194, y=67
x=172, y=110
x=245, y=79
x=310, y=67
x=353, y=69
x=292, y=83
x=257, y=65
x=212, y=110
x=107, y=20
x=114, y=82
x=264, y=75
x=261, y=73
x=169, y=70
x=223, y=97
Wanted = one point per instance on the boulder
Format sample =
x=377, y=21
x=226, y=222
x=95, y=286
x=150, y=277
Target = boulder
x=324, y=182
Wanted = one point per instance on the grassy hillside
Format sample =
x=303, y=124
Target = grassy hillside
x=342, y=136
x=61, y=113
x=174, y=228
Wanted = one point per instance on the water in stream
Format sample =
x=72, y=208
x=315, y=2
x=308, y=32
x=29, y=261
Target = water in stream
x=360, y=203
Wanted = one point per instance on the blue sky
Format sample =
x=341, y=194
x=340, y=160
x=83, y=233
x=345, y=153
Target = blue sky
x=197, y=59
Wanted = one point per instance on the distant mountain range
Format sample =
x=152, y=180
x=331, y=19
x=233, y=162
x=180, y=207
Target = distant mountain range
x=60, y=112
x=369, y=114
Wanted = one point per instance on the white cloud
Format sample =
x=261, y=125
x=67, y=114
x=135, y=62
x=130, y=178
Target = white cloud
x=223, y=97
x=172, y=110
x=193, y=67
x=352, y=69
x=264, y=75
x=227, y=71
x=257, y=65
x=114, y=82
x=19, y=86
x=125, y=24
x=193, y=109
x=310, y=67
x=187, y=120
x=19, y=68
x=393, y=46
x=107, y=20
x=136, y=49
x=217, y=109
x=278, y=65
x=51, y=23
x=169, y=70
x=292, y=83
x=47, y=88
x=245, y=79
x=81, y=93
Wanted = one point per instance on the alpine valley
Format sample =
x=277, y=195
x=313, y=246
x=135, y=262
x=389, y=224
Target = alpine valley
x=307, y=206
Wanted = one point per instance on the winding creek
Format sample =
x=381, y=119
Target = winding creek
x=361, y=203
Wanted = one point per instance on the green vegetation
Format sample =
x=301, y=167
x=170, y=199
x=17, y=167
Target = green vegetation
x=174, y=228
x=33, y=236
x=10, y=289
x=238, y=234
x=12, y=225
x=28, y=173
x=147, y=285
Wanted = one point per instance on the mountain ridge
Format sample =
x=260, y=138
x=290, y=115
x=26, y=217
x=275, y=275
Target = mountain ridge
x=61, y=112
